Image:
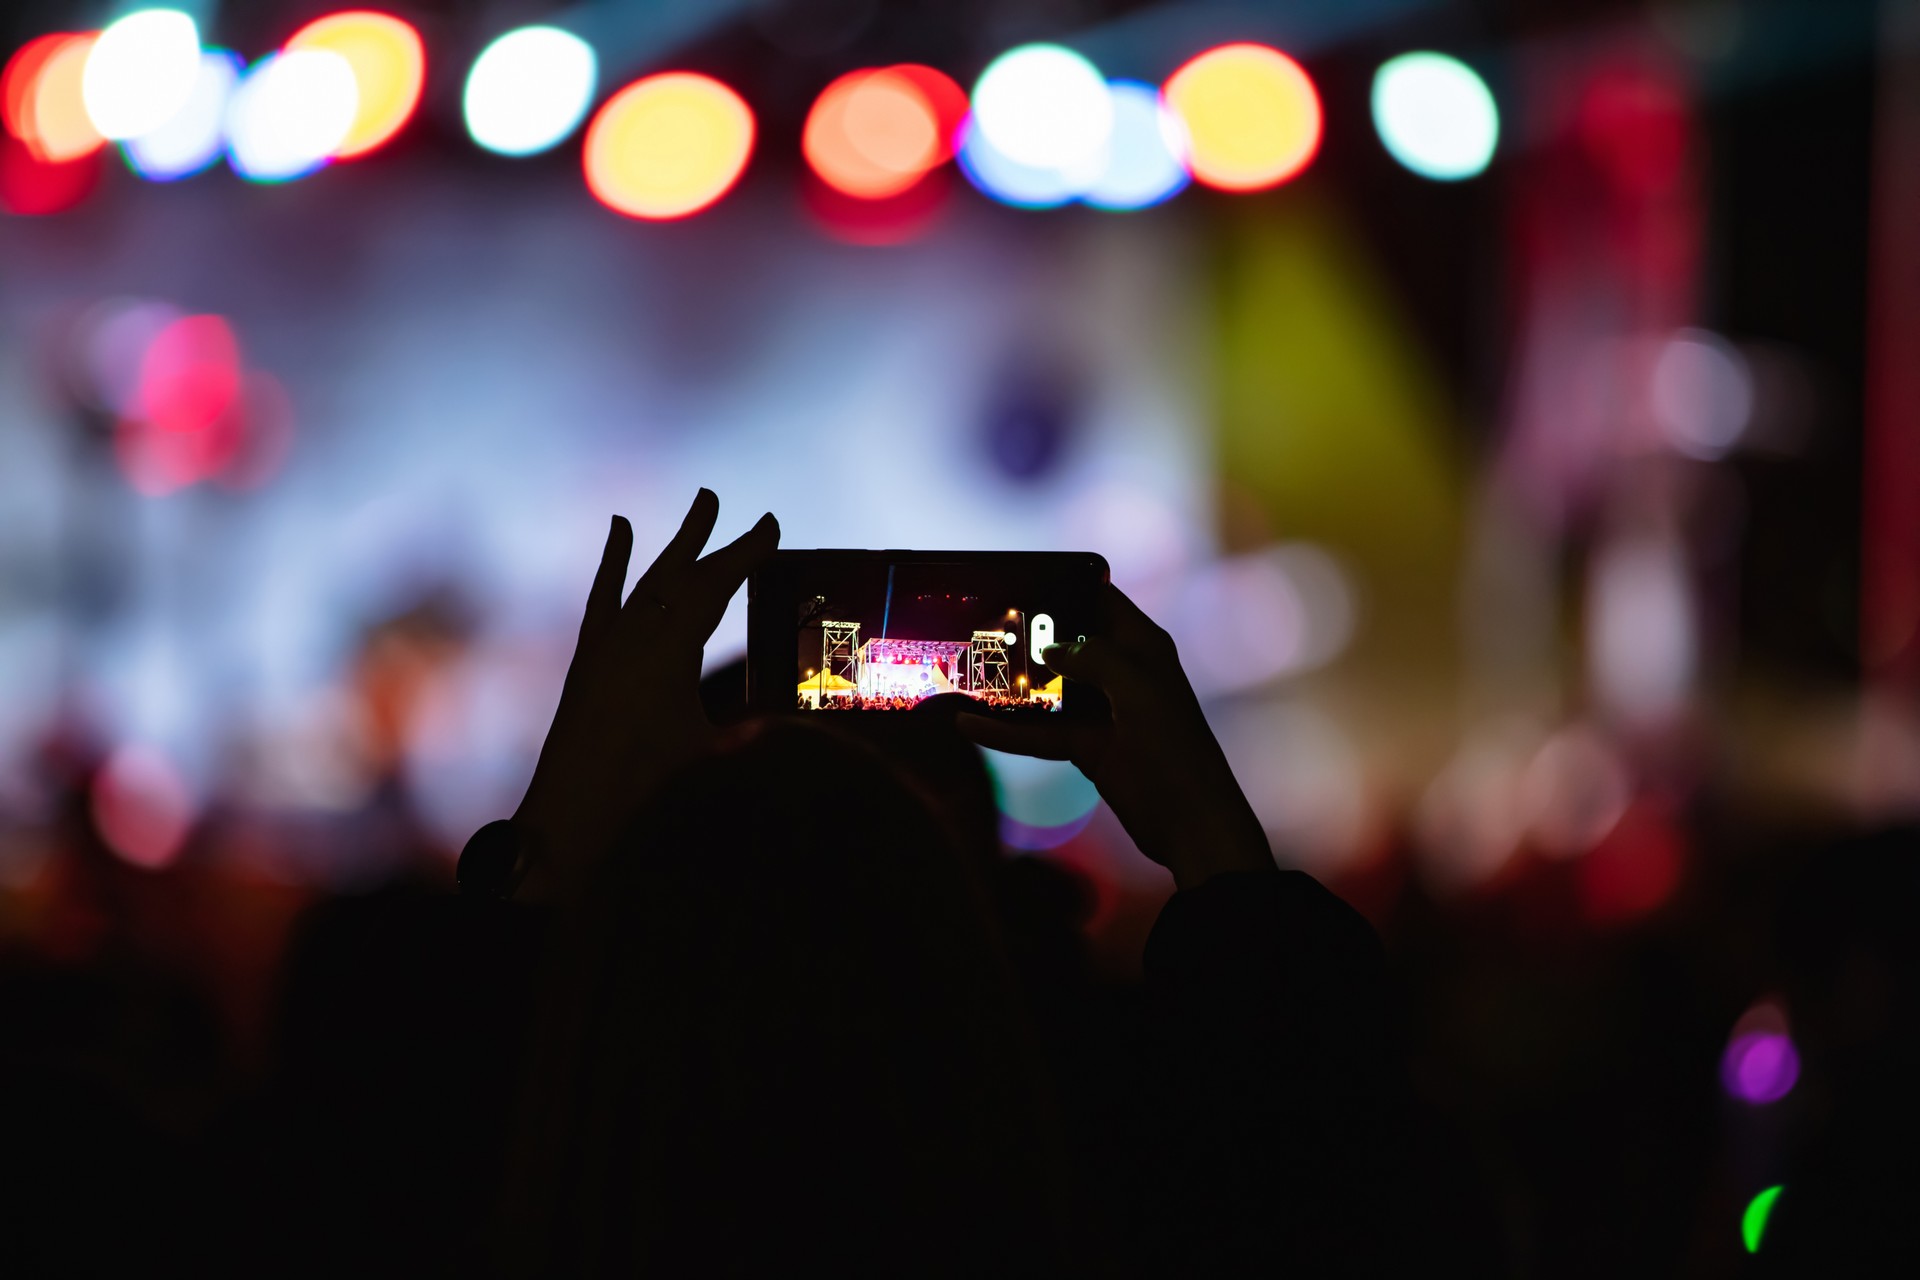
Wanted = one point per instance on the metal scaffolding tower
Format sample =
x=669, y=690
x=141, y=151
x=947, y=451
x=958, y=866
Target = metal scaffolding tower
x=840, y=650
x=989, y=665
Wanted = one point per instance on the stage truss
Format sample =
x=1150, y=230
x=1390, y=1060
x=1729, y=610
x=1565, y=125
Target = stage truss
x=989, y=673
x=840, y=649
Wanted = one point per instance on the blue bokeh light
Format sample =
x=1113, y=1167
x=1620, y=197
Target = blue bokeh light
x=1145, y=162
x=1007, y=180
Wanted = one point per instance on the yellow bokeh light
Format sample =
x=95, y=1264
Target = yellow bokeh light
x=389, y=68
x=668, y=145
x=1251, y=114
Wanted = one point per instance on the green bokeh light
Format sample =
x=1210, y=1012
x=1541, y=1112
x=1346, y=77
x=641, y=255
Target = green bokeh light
x=1753, y=1223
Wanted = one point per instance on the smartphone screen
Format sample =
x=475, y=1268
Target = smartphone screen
x=849, y=632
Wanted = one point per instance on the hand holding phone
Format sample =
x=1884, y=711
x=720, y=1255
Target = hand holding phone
x=1154, y=760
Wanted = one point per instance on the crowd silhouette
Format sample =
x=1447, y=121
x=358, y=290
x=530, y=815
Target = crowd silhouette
x=685, y=1018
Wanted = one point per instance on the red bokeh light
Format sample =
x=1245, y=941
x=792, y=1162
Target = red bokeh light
x=894, y=220
x=1635, y=868
x=1635, y=124
x=142, y=807
x=34, y=187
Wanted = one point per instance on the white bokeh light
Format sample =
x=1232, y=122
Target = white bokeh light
x=1701, y=393
x=290, y=114
x=529, y=89
x=140, y=72
x=1435, y=115
x=191, y=140
x=1044, y=107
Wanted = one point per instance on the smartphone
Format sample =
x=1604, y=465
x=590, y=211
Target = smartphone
x=835, y=632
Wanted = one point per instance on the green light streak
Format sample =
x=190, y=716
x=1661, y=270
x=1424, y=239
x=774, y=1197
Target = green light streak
x=1754, y=1221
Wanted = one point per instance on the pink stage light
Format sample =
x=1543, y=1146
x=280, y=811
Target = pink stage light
x=141, y=807
x=190, y=375
x=1760, y=1067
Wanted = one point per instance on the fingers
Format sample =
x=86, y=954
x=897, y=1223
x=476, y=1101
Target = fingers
x=603, y=598
x=1045, y=741
x=710, y=583
x=1099, y=662
x=679, y=553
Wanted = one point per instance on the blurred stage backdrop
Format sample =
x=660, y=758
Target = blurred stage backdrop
x=1509, y=409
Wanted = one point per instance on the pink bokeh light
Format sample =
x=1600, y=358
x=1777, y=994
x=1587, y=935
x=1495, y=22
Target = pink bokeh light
x=1760, y=1067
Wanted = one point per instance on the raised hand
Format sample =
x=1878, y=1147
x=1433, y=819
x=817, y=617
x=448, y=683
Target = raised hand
x=1156, y=762
x=630, y=710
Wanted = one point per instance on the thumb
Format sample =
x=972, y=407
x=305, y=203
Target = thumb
x=1095, y=661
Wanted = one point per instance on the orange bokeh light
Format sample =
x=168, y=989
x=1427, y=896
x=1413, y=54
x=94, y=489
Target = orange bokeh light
x=20, y=80
x=668, y=146
x=1251, y=114
x=389, y=67
x=872, y=134
x=949, y=101
x=40, y=98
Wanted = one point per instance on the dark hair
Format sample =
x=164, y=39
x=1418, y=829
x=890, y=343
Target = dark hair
x=786, y=1032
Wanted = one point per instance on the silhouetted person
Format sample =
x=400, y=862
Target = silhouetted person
x=777, y=1030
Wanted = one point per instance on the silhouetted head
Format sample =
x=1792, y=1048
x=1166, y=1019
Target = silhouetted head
x=787, y=1033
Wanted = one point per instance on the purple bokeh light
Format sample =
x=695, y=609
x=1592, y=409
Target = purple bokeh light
x=1760, y=1067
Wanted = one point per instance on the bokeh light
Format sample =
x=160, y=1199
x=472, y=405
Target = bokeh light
x=20, y=81
x=57, y=126
x=872, y=134
x=110, y=342
x=389, y=69
x=1252, y=116
x=290, y=114
x=141, y=806
x=263, y=437
x=34, y=187
x=1573, y=792
x=1247, y=620
x=947, y=98
x=193, y=138
x=1753, y=1223
x=1045, y=107
x=1635, y=868
x=140, y=71
x=1043, y=803
x=1004, y=179
x=1435, y=115
x=1145, y=154
x=529, y=89
x=1760, y=1067
x=189, y=374
x=894, y=220
x=668, y=146
x=1701, y=393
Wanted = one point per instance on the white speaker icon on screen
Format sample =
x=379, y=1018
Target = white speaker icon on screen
x=1039, y=636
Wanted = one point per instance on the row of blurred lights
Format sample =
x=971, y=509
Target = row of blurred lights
x=1041, y=128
